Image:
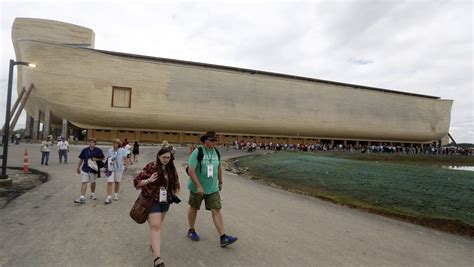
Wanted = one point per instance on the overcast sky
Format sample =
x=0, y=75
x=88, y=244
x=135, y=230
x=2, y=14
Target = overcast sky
x=421, y=47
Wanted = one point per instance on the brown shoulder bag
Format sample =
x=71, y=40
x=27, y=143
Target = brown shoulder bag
x=141, y=208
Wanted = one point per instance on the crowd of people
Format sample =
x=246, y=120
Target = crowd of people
x=380, y=148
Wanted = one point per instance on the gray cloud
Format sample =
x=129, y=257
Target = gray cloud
x=422, y=47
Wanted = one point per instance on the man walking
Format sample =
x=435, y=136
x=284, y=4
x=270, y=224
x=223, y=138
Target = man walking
x=89, y=169
x=205, y=184
x=45, y=149
x=63, y=148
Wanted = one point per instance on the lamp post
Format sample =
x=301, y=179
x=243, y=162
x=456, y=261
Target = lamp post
x=6, y=132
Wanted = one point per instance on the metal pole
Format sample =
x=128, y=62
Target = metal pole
x=6, y=133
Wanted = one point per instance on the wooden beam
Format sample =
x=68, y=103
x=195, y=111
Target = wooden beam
x=18, y=113
x=17, y=102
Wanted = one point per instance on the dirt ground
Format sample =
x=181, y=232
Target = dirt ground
x=21, y=183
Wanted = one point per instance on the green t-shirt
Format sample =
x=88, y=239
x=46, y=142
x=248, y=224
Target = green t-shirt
x=209, y=184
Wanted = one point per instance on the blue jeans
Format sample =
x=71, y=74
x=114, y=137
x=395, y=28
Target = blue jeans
x=44, y=157
x=62, y=153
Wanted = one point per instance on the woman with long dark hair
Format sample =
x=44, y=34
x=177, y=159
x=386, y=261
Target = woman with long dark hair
x=158, y=179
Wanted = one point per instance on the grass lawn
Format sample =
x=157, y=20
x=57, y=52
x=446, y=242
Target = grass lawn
x=411, y=187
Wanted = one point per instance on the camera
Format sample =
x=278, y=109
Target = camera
x=173, y=199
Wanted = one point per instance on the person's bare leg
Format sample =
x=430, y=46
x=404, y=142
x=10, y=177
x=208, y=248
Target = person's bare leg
x=218, y=221
x=192, y=215
x=93, y=187
x=117, y=187
x=155, y=221
x=109, y=188
x=83, y=189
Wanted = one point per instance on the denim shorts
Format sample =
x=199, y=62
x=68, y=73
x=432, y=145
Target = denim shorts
x=160, y=207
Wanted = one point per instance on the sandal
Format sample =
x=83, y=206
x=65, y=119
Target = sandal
x=158, y=262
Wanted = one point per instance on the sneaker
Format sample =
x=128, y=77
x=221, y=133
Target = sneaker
x=116, y=198
x=108, y=200
x=193, y=235
x=93, y=197
x=80, y=200
x=227, y=240
x=158, y=262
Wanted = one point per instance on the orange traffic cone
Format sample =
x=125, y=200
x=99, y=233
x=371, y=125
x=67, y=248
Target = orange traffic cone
x=25, y=162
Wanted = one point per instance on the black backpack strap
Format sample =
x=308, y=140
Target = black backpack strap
x=200, y=157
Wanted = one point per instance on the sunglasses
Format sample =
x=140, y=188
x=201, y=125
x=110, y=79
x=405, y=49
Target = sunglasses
x=213, y=140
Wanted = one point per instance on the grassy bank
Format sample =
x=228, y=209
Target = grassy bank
x=411, y=188
x=425, y=160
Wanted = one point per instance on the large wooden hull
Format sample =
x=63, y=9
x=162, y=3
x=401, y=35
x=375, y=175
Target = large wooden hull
x=76, y=83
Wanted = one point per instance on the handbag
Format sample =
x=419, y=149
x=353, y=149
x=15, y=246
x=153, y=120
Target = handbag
x=141, y=208
x=92, y=164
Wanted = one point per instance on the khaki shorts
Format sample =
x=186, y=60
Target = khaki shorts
x=212, y=201
x=88, y=177
x=116, y=176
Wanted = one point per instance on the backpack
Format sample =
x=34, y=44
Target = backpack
x=201, y=156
